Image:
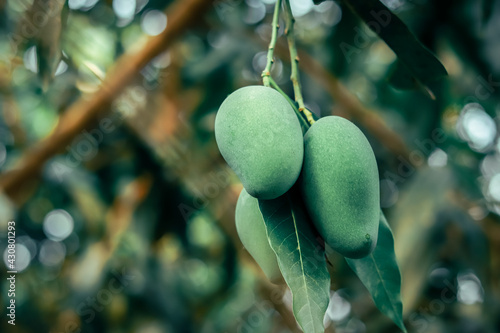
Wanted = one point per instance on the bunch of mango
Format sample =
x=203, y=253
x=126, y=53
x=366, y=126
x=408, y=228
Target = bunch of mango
x=333, y=164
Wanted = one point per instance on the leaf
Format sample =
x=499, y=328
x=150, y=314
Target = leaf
x=418, y=60
x=380, y=274
x=301, y=259
x=487, y=10
x=401, y=78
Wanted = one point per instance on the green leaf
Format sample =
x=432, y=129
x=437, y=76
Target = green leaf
x=380, y=274
x=301, y=259
x=418, y=60
x=487, y=10
x=402, y=78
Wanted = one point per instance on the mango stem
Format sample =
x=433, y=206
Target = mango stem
x=292, y=103
x=266, y=74
x=294, y=61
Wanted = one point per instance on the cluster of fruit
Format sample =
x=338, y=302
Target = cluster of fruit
x=333, y=164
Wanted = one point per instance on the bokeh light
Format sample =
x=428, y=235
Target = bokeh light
x=494, y=187
x=30, y=61
x=476, y=127
x=330, y=13
x=29, y=243
x=51, y=253
x=389, y=193
x=58, y=224
x=470, y=290
x=256, y=11
x=22, y=258
x=438, y=158
x=82, y=5
x=301, y=7
x=490, y=165
x=61, y=68
x=124, y=9
x=114, y=216
x=153, y=22
x=339, y=308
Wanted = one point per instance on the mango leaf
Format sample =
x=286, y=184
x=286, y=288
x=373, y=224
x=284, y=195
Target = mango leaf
x=401, y=78
x=418, y=60
x=301, y=259
x=487, y=10
x=380, y=274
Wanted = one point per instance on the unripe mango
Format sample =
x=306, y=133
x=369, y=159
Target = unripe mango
x=252, y=232
x=340, y=186
x=260, y=137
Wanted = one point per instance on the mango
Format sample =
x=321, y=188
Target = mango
x=260, y=137
x=340, y=186
x=252, y=232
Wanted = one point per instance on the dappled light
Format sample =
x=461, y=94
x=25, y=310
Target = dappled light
x=249, y=166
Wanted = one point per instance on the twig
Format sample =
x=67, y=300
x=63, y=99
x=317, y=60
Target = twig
x=270, y=52
x=267, y=79
x=353, y=108
x=294, y=62
x=85, y=111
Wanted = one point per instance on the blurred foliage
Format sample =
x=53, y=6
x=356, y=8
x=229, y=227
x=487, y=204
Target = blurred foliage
x=131, y=227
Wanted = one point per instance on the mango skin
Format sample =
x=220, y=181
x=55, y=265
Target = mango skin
x=260, y=137
x=340, y=186
x=252, y=232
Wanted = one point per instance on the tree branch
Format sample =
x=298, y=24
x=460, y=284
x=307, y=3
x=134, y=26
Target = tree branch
x=294, y=62
x=270, y=52
x=351, y=105
x=181, y=15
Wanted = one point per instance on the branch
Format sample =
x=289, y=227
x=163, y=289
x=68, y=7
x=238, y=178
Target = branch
x=366, y=117
x=80, y=115
x=270, y=52
x=294, y=62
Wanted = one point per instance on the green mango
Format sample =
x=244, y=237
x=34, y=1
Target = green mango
x=340, y=186
x=260, y=137
x=252, y=232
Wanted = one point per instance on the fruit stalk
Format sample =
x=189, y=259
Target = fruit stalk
x=294, y=107
x=294, y=61
x=266, y=74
